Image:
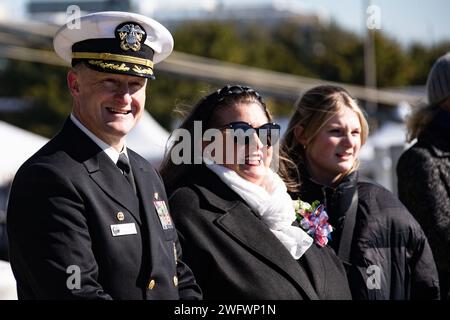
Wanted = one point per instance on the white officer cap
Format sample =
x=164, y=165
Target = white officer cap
x=115, y=42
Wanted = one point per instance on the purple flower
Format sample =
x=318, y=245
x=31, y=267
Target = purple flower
x=314, y=220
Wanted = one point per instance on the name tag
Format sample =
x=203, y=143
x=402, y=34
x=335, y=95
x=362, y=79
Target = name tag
x=123, y=229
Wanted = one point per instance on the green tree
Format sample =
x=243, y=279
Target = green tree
x=217, y=40
x=394, y=67
x=422, y=59
x=44, y=87
x=290, y=46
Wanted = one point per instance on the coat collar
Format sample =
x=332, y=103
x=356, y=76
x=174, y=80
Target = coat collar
x=101, y=168
x=337, y=199
x=438, y=142
x=245, y=226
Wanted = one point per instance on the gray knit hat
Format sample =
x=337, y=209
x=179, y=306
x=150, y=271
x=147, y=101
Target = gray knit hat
x=438, y=83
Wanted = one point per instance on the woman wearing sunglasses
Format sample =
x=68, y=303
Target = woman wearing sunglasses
x=233, y=214
x=385, y=251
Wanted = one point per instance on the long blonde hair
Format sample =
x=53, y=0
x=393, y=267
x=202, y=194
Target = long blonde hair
x=315, y=108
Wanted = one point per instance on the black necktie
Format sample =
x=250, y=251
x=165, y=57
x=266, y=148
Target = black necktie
x=124, y=166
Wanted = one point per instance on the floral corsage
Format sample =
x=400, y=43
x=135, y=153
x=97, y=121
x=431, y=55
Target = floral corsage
x=314, y=220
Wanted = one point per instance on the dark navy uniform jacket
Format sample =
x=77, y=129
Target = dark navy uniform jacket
x=63, y=204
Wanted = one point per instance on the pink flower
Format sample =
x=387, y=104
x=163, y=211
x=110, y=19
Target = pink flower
x=314, y=220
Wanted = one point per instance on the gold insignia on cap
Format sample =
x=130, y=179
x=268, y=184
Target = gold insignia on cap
x=131, y=36
x=113, y=57
x=120, y=216
x=140, y=70
x=109, y=65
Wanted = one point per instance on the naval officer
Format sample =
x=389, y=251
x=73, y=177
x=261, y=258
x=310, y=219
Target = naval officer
x=87, y=216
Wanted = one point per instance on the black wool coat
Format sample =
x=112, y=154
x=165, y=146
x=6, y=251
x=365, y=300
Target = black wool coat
x=390, y=258
x=424, y=187
x=63, y=205
x=234, y=255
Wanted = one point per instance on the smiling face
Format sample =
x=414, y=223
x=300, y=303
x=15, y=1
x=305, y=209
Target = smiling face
x=251, y=161
x=109, y=105
x=335, y=148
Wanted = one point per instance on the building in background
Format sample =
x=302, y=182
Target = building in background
x=56, y=11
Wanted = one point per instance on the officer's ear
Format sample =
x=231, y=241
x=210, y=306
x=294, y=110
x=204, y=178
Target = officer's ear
x=73, y=82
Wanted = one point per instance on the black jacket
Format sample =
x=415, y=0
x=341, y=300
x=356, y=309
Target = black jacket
x=424, y=187
x=64, y=203
x=234, y=255
x=390, y=256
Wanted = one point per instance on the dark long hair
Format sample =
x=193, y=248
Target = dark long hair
x=205, y=111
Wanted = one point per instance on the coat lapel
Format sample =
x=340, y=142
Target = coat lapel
x=99, y=166
x=147, y=183
x=108, y=177
x=240, y=223
x=143, y=180
x=247, y=229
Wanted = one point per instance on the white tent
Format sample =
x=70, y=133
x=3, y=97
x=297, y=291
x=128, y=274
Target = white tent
x=17, y=145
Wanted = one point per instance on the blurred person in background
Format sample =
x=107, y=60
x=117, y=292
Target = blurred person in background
x=424, y=169
x=4, y=192
x=236, y=222
x=87, y=217
x=384, y=249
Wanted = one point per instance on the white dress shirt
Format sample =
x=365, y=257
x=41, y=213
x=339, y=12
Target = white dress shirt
x=112, y=153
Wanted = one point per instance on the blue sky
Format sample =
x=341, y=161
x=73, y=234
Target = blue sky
x=426, y=21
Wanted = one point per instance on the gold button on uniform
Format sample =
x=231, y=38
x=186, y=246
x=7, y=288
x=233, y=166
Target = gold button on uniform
x=120, y=216
x=175, y=281
x=151, y=284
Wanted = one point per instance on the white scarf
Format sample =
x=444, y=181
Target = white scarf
x=272, y=203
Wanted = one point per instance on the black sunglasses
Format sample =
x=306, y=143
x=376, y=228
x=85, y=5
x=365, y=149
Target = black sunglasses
x=268, y=133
